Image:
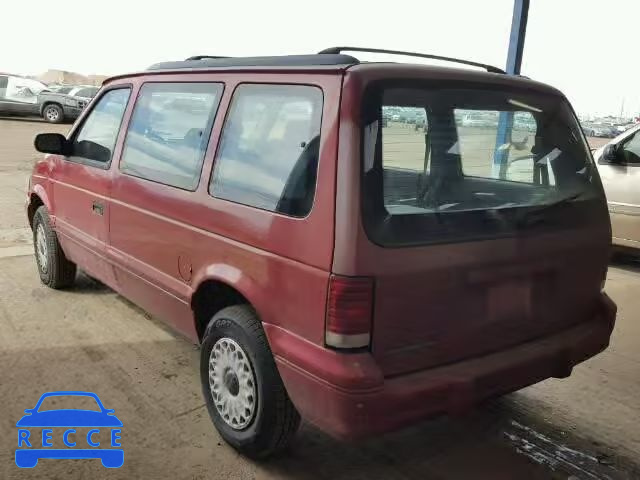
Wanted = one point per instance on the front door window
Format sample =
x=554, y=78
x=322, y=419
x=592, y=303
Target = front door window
x=95, y=140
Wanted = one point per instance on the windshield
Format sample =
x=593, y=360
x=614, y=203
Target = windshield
x=85, y=92
x=35, y=86
x=480, y=153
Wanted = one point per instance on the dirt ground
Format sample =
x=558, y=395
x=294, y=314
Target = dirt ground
x=89, y=338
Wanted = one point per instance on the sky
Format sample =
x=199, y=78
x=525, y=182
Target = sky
x=586, y=48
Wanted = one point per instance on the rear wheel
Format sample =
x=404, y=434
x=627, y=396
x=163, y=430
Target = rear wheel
x=55, y=270
x=53, y=113
x=243, y=390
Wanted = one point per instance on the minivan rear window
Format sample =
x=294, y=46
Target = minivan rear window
x=446, y=163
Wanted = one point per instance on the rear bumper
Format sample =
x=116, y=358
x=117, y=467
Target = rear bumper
x=347, y=396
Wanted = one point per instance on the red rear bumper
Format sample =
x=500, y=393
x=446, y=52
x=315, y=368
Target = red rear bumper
x=347, y=396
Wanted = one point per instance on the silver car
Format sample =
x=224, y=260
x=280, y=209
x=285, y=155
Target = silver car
x=619, y=166
x=19, y=95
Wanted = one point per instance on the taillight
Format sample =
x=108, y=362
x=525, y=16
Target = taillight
x=349, y=312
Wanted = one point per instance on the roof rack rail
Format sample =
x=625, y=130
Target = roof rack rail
x=206, y=61
x=338, y=50
x=202, y=57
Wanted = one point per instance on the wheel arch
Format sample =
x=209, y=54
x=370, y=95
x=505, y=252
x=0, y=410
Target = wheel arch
x=219, y=286
x=37, y=198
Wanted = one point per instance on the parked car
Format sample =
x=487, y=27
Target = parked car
x=588, y=130
x=525, y=122
x=56, y=107
x=624, y=127
x=19, y=95
x=327, y=267
x=421, y=124
x=479, y=119
x=603, y=130
x=405, y=116
x=619, y=166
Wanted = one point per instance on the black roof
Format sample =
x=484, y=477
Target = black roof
x=328, y=56
x=204, y=61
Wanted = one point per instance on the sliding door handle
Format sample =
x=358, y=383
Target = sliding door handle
x=98, y=208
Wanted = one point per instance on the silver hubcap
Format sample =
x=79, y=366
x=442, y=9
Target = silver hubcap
x=52, y=114
x=232, y=384
x=41, y=248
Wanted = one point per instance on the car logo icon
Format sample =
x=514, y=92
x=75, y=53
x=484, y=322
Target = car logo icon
x=69, y=425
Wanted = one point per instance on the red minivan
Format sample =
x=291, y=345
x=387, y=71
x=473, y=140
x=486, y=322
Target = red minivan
x=362, y=245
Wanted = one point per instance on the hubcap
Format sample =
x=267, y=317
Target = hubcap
x=52, y=114
x=232, y=383
x=41, y=248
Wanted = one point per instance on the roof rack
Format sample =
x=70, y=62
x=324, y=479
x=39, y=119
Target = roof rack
x=339, y=50
x=326, y=57
x=207, y=61
x=202, y=57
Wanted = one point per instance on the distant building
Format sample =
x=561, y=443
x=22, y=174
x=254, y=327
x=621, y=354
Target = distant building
x=70, y=78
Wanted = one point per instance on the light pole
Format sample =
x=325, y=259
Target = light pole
x=514, y=62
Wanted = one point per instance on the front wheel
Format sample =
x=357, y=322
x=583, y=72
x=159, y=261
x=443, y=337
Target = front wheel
x=55, y=270
x=53, y=113
x=244, y=393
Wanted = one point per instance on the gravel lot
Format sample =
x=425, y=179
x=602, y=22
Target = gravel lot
x=89, y=338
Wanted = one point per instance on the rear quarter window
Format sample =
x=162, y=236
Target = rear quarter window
x=268, y=153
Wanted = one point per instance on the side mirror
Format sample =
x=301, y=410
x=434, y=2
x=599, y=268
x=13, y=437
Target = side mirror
x=609, y=154
x=92, y=151
x=51, y=143
x=28, y=410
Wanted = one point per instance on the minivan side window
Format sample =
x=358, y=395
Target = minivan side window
x=97, y=136
x=268, y=154
x=169, y=132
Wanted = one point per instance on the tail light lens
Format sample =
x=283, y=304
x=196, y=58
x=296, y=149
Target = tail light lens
x=349, y=312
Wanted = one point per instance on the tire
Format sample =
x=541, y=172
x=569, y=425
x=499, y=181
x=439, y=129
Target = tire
x=267, y=425
x=55, y=270
x=53, y=113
